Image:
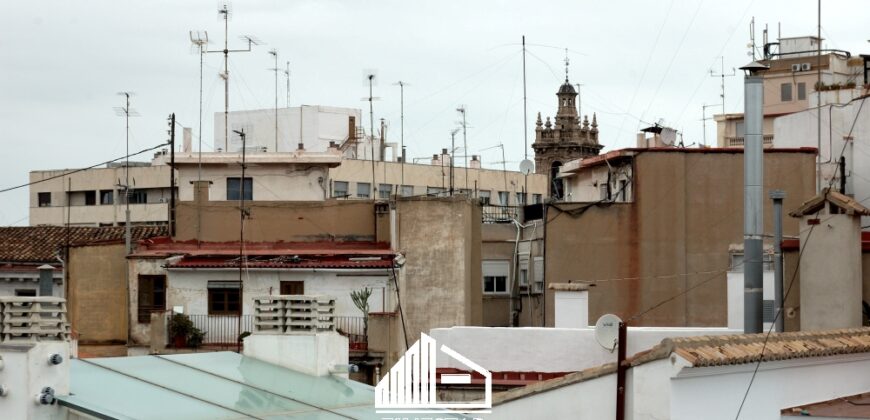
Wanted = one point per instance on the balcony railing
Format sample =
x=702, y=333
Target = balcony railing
x=739, y=141
x=218, y=329
x=499, y=214
x=353, y=327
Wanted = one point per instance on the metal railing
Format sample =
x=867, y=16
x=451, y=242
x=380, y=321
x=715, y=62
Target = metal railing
x=218, y=329
x=353, y=327
x=738, y=141
x=499, y=214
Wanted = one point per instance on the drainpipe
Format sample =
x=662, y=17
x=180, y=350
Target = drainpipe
x=753, y=158
x=777, y=196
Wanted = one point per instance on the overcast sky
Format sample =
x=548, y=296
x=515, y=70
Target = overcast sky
x=62, y=64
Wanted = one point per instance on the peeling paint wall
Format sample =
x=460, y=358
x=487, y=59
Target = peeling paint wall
x=97, y=303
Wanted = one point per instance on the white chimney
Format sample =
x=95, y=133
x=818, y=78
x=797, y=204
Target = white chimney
x=34, y=357
x=475, y=162
x=298, y=332
x=187, y=140
x=571, y=305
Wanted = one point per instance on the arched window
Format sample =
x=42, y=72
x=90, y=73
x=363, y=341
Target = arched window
x=556, y=187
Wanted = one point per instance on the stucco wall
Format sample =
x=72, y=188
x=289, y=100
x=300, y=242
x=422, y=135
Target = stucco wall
x=673, y=236
x=440, y=282
x=279, y=221
x=97, y=293
x=283, y=182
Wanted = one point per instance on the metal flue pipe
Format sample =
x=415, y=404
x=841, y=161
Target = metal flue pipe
x=777, y=196
x=753, y=220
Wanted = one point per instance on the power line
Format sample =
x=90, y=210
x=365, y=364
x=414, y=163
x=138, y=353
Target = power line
x=84, y=169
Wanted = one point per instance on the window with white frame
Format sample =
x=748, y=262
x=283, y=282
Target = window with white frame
x=384, y=191
x=495, y=276
x=484, y=196
x=503, y=198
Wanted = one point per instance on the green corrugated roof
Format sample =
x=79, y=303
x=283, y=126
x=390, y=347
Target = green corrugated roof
x=221, y=385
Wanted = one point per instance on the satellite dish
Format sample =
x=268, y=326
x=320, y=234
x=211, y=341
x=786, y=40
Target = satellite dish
x=607, y=331
x=526, y=166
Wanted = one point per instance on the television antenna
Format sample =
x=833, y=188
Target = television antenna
x=126, y=112
x=402, y=85
x=224, y=13
x=722, y=75
x=370, y=77
x=199, y=40
x=461, y=109
x=287, y=76
x=607, y=331
x=452, y=155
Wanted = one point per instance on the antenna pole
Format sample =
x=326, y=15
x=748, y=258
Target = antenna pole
x=525, y=109
x=452, y=154
x=371, y=78
x=127, y=236
x=461, y=110
x=402, y=127
x=226, y=74
x=722, y=75
x=172, y=174
x=242, y=261
x=287, y=76
x=275, y=54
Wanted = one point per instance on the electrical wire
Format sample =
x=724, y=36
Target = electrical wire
x=83, y=169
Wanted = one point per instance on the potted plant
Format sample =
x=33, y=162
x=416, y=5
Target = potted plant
x=361, y=301
x=183, y=332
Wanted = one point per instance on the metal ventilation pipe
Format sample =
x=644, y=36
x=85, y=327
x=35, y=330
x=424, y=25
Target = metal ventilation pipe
x=753, y=220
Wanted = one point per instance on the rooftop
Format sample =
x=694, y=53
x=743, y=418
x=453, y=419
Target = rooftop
x=221, y=385
x=851, y=407
x=40, y=244
x=331, y=159
x=721, y=350
x=577, y=165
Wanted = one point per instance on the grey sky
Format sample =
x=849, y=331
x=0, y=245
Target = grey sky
x=63, y=63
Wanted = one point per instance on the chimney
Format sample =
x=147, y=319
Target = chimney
x=436, y=160
x=571, y=305
x=298, y=332
x=753, y=220
x=35, y=357
x=200, y=191
x=641, y=141
x=187, y=140
x=46, y=280
x=475, y=162
x=300, y=147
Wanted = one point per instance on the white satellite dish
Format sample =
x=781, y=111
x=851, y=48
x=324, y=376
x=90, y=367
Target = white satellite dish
x=607, y=331
x=526, y=166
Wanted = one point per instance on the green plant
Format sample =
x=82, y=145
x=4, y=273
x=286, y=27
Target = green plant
x=180, y=326
x=361, y=301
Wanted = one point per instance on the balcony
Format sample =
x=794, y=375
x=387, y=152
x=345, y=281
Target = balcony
x=738, y=141
x=499, y=214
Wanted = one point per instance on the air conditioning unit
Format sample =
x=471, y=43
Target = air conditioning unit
x=795, y=67
x=805, y=66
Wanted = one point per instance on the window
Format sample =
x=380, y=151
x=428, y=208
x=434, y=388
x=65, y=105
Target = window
x=152, y=296
x=495, y=284
x=223, y=297
x=107, y=196
x=339, y=189
x=90, y=198
x=137, y=196
x=740, y=128
x=384, y=191
x=802, y=91
x=524, y=277
x=521, y=199
x=602, y=189
x=785, y=92
x=234, y=189
x=503, y=198
x=484, y=197
x=292, y=287
x=363, y=189
x=537, y=199
x=407, y=190
x=495, y=276
x=435, y=191
x=25, y=292
x=538, y=267
x=44, y=199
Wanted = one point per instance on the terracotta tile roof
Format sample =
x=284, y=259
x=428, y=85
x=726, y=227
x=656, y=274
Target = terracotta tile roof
x=720, y=350
x=851, y=407
x=286, y=262
x=813, y=205
x=38, y=244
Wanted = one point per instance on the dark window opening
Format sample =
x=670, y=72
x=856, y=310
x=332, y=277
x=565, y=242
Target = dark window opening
x=107, y=196
x=44, y=199
x=223, y=298
x=90, y=198
x=234, y=189
x=25, y=292
x=292, y=287
x=152, y=296
x=556, y=187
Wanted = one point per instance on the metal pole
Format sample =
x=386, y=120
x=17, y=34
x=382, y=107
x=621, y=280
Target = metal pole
x=172, y=175
x=778, y=304
x=287, y=76
x=464, y=148
x=372, y=133
x=241, y=134
x=819, y=100
x=226, y=14
x=452, y=154
x=525, y=112
x=752, y=206
x=402, y=128
x=127, y=236
x=199, y=167
x=276, y=99
x=620, y=372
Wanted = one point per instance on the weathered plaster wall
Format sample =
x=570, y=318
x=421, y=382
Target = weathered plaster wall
x=97, y=303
